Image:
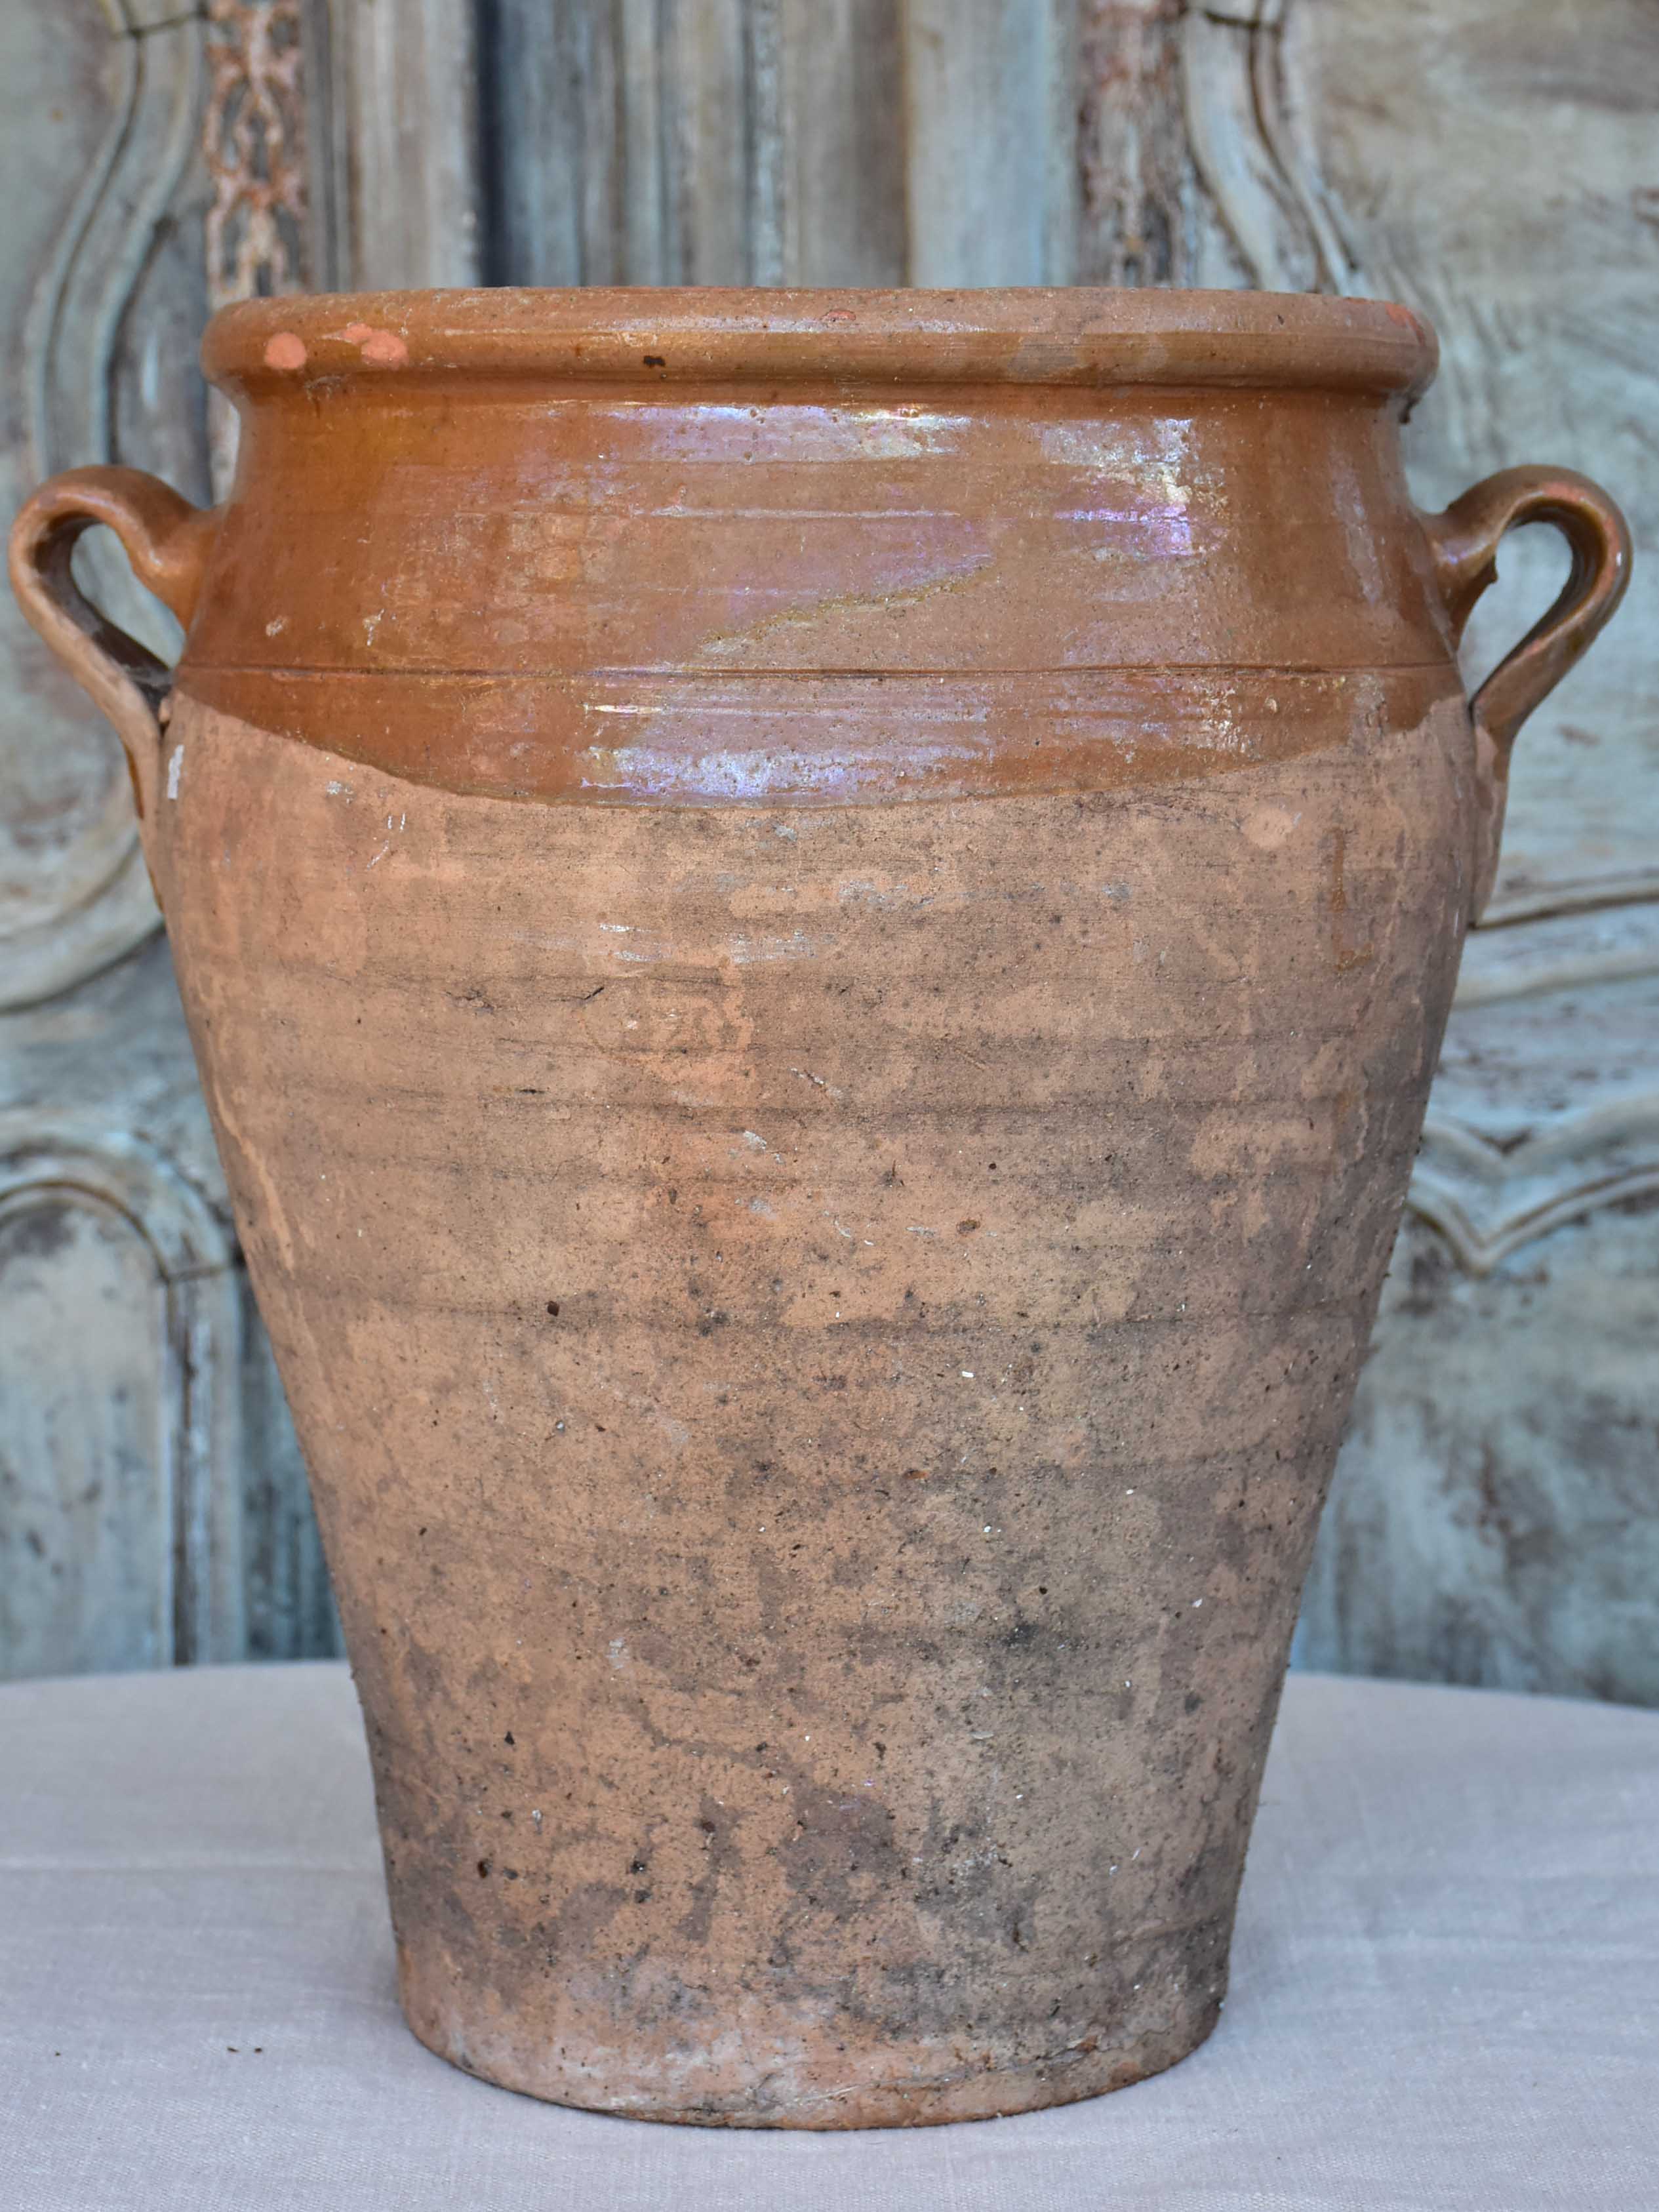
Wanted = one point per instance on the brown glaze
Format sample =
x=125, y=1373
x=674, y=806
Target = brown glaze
x=817, y=926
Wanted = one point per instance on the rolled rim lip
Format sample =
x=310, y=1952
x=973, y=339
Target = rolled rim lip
x=1074, y=336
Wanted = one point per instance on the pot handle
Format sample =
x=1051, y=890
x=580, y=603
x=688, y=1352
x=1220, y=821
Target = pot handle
x=167, y=540
x=1464, y=541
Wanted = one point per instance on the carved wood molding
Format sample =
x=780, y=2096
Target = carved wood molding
x=94, y=904
x=228, y=82
x=1254, y=153
x=1254, y=149
x=1568, y=996
x=1569, y=945
x=1488, y=1199
x=255, y=139
x=1136, y=216
x=73, y=1161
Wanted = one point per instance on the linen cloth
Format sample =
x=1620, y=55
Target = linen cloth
x=1443, y=1987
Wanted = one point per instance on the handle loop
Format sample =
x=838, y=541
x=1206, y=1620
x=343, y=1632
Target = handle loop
x=1464, y=541
x=167, y=540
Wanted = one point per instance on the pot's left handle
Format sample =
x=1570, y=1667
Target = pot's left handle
x=167, y=540
x=1464, y=542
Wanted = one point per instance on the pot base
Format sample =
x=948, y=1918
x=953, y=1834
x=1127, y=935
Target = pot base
x=822, y=2087
x=808, y=2098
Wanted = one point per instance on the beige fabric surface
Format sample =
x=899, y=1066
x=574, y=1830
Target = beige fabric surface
x=1443, y=1987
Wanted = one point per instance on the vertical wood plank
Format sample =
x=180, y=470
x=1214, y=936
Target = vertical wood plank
x=992, y=173
x=694, y=141
x=643, y=153
x=845, y=216
x=764, y=140
x=633, y=142
x=405, y=110
x=704, y=71
x=549, y=102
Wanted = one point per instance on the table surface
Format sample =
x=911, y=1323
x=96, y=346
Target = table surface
x=1445, y=1987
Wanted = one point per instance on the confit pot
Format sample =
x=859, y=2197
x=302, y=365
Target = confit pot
x=816, y=925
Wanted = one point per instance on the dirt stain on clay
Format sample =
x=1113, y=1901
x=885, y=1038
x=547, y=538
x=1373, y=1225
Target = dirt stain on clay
x=840, y=1834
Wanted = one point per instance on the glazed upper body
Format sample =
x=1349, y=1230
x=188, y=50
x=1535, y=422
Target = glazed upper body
x=708, y=545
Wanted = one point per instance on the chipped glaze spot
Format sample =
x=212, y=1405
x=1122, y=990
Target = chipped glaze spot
x=285, y=351
x=380, y=348
x=386, y=350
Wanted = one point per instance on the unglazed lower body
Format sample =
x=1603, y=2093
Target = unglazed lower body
x=820, y=1335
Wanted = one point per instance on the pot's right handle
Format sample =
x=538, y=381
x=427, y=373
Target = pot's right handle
x=1464, y=544
x=167, y=540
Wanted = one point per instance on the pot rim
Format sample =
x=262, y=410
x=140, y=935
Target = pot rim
x=1077, y=335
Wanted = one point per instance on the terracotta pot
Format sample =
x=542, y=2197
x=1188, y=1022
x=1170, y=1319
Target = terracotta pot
x=816, y=926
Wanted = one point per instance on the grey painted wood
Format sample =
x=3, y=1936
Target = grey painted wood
x=125, y=1524
x=96, y=1565
x=992, y=173
x=1497, y=168
x=845, y=215
x=402, y=170
x=1490, y=162
x=1492, y=1521
x=695, y=141
x=86, y=1556
x=151, y=1507
x=95, y=128
x=289, y=1606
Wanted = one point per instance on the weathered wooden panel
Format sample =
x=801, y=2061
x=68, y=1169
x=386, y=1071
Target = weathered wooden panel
x=1491, y=162
x=96, y=128
x=700, y=141
x=1139, y=205
x=151, y=1510
x=289, y=1605
x=551, y=93
x=398, y=81
x=86, y=1551
x=844, y=215
x=119, y=1406
x=1493, y=1520
x=769, y=141
x=1496, y=164
x=993, y=178
x=1249, y=132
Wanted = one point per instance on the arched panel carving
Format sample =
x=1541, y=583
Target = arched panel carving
x=121, y=1502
